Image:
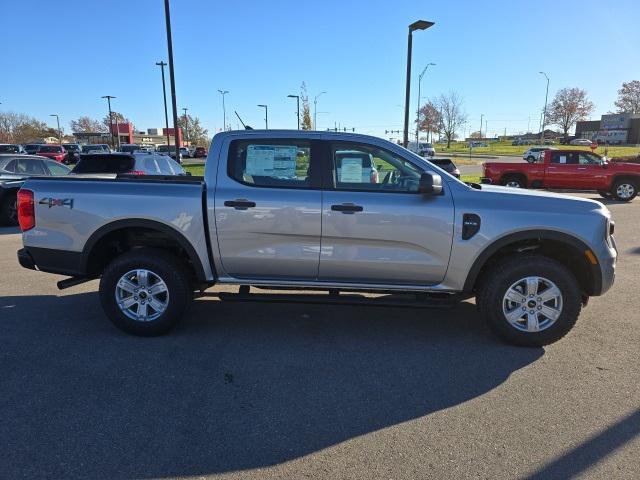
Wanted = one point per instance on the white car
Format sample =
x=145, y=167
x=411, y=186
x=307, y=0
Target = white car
x=581, y=141
x=533, y=154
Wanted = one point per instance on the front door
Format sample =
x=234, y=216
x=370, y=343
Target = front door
x=268, y=210
x=563, y=171
x=592, y=174
x=376, y=227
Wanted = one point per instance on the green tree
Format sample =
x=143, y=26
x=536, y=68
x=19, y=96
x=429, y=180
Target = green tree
x=193, y=131
x=305, y=122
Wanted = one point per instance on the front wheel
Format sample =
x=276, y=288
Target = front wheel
x=530, y=300
x=145, y=291
x=624, y=190
x=514, y=181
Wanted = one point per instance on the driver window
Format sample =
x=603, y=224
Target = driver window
x=368, y=168
x=589, y=159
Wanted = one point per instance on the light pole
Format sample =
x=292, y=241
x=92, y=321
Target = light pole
x=174, y=105
x=109, y=97
x=315, y=108
x=419, y=25
x=480, y=133
x=224, y=110
x=266, y=116
x=162, y=64
x=297, y=97
x=418, y=110
x=186, y=124
x=544, y=112
x=59, y=131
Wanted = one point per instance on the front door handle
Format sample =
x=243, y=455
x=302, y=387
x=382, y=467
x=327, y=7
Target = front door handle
x=239, y=204
x=347, y=208
x=581, y=168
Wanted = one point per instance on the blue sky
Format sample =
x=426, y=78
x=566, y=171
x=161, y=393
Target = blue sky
x=60, y=57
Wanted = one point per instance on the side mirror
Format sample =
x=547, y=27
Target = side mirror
x=430, y=184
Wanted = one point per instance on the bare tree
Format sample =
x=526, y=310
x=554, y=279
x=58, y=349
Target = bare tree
x=629, y=97
x=116, y=116
x=305, y=123
x=569, y=106
x=452, y=114
x=430, y=118
x=87, y=125
x=21, y=128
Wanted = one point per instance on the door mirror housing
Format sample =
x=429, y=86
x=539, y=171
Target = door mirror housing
x=430, y=184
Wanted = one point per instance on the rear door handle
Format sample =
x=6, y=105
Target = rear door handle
x=581, y=168
x=347, y=208
x=239, y=204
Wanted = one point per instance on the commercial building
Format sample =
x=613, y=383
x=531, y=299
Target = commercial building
x=125, y=133
x=616, y=128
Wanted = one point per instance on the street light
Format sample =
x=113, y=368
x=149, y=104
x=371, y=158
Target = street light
x=266, y=116
x=315, y=107
x=480, y=133
x=59, y=131
x=162, y=64
x=186, y=124
x=544, y=112
x=224, y=110
x=109, y=97
x=418, y=110
x=419, y=25
x=297, y=97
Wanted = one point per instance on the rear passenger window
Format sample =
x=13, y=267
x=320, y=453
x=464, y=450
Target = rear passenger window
x=11, y=166
x=279, y=163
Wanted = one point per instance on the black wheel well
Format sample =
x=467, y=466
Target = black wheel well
x=630, y=178
x=103, y=249
x=568, y=254
x=518, y=175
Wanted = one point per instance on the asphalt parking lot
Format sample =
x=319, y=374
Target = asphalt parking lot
x=245, y=390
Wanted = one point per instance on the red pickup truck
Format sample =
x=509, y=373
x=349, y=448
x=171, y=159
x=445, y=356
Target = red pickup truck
x=570, y=170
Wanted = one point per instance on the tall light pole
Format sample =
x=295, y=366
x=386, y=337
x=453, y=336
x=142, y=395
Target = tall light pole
x=297, y=97
x=418, y=109
x=419, y=25
x=109, y=97
x=224, y=110
x=162, y=64
x=174, y=105
x=59, y=131
x=186, y=124
x=480, y=133
x=266, y=116
x=544, y=112
x=315, y=108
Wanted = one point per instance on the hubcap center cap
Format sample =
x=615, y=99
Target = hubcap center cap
x=531, y=304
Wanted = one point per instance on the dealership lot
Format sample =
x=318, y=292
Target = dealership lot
x=245, y=390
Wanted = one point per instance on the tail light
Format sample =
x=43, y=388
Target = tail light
x=26, y=210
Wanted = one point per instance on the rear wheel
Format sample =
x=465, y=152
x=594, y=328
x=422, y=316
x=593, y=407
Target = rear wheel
x=624, y=190
x=145, y=291
x=530, y=300
x=514, y=181
x=9, y=210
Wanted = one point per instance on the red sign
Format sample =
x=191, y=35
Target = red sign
x=593, y=146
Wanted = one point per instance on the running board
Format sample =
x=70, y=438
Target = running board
x=419, y=300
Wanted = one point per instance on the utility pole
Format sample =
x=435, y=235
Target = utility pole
x=418, y=25
x=59, y=131
x=186, y=125
x=544, y=112
x=266, y=116
x=297, y=97
x=162, y=64
x=315, y=110
x=418, y=109
x=481, y=117
x=167, y=16
x=109, y=97
x=224, y=110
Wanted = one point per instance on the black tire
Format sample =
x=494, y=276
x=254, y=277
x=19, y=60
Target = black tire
x=531, y=159
x=8, y=210
x=623, y=185
x=165, y=266
x=604, y=193
x=507, y=272
x=512, y=180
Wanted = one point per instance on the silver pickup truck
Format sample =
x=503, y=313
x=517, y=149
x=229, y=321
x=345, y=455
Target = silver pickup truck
x=323, y=211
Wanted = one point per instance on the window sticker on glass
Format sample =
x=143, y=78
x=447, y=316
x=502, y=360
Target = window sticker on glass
x=563, y=159
x=277, y=161
x=351, y=170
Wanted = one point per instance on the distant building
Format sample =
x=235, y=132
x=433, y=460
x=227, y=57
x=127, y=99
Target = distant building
x=125, y=133
x=616, y=128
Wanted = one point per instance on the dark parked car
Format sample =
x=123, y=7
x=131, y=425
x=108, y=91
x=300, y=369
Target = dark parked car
x=99, y=147
x=145, y=163
x=12, y=148
x=200, y=152
x=447, y=165
x=73, y=153
x=14, y=170
x=32, y=148
x=169, y=150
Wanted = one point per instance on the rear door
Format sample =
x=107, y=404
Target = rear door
x=381, y=230
x=267, y=209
